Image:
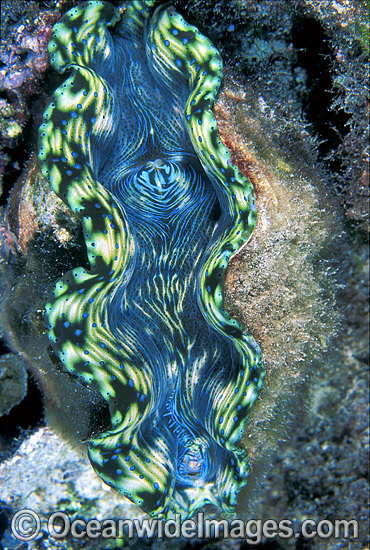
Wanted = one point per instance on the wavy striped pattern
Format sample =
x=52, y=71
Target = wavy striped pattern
x=130, y=144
